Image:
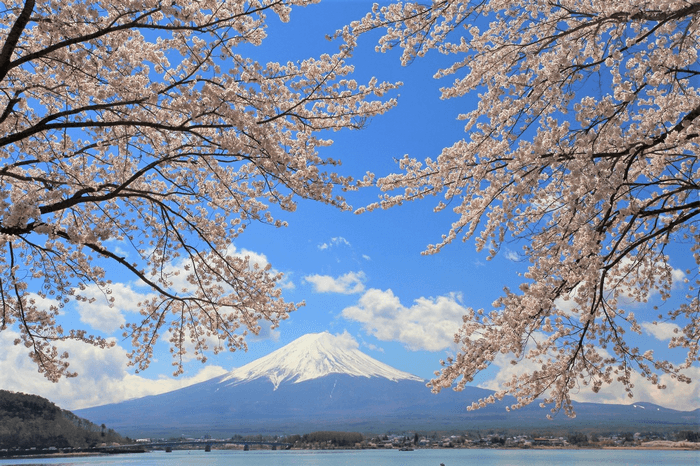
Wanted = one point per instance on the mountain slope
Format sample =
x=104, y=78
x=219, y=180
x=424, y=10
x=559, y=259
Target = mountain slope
x=332, y=402
x=322, y=382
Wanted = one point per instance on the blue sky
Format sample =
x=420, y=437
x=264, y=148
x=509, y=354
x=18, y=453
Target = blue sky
x=360, y=274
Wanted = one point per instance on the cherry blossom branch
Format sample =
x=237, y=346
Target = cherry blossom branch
x=595, y=179
x=112, y=138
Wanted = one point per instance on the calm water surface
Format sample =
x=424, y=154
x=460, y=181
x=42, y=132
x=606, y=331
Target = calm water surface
x=382, y=458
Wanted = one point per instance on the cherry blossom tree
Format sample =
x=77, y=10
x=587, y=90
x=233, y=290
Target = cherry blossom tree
x=138, y=126
x=584, y=147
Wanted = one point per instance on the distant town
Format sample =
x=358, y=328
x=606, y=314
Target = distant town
x=328, y=440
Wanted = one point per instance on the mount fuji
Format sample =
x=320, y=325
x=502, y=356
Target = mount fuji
x=313, y=356
x=323, y=382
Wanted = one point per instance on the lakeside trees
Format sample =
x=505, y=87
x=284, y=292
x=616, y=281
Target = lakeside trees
x=28, y=421
x=136, y=138
x=583, y=146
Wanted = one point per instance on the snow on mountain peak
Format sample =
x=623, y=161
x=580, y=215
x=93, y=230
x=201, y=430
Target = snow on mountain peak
x=312, y=356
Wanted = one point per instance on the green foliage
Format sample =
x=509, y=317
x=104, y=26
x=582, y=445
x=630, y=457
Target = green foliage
x=254, y=438
x=688, y=435
x=578, y=438
x=28, y=421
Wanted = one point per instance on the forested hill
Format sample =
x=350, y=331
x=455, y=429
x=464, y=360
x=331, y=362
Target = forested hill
x=28, y=421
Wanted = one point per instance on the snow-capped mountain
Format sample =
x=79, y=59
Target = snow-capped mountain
x=313, y=356
x=323, y=382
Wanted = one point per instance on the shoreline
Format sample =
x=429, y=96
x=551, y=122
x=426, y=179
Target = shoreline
x=680, y=446
x=30, y=454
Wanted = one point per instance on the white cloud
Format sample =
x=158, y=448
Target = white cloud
x=102, y=379
x=366, y=257
x=676, y=395
x=99, y=314
x=374, y=347
x=180, y=270
x=45, y=304
x=106, y=312
x=370, y=346
x=115, y=246
x=511, y=255
x=265, y=333
x=429, y=324
x=212, y=342
x=678, y=278
x=345, y=341
x=661, y=330
x=336, y=241
x=506, y=370
x=349, y=283
x=262, y=262
x=628, y=296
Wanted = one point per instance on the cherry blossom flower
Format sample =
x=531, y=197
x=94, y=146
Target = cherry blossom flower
x=139, y=125
x=584, y=146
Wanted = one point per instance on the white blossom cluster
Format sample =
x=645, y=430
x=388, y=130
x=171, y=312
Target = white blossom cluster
x=137, y=124
x=584, y=145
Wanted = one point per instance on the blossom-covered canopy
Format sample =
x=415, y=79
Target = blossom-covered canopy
x=136, y=138
x=584, y=145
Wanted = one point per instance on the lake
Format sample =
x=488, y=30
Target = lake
x=481, y=457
